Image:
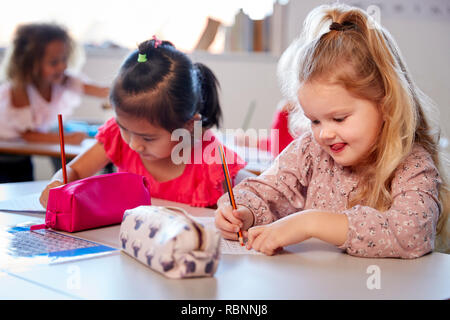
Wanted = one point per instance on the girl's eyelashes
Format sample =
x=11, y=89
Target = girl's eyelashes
x=126, y=133
x=316, y=122
x=55, y=62
x=339, y=119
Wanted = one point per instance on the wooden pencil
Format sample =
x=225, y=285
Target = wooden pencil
x=229, y=188
x=61, y=144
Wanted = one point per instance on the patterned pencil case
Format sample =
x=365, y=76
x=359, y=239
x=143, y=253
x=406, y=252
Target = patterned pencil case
x=169, y=241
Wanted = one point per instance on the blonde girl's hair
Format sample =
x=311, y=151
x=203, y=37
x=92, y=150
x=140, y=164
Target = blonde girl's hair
x=364, y=58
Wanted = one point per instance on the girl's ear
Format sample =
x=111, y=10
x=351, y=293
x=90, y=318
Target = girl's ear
x=190, y=124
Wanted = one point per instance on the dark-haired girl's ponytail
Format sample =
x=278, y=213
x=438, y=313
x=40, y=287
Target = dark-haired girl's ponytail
x=209, y=104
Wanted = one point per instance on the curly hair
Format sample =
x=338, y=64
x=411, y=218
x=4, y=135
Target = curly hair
x=28, y=49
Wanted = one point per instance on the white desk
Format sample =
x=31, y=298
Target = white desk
x=311, y=270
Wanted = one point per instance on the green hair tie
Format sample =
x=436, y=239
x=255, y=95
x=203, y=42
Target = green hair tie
x=142, y=58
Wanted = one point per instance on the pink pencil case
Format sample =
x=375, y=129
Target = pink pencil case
x=95, y=201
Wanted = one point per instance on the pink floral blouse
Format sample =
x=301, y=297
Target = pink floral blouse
x=306, y=177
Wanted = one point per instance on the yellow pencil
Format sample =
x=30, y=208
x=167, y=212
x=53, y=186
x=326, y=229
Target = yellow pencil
x=229, y=188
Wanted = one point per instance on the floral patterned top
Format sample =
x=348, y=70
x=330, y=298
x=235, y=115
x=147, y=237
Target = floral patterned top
x=306, y=177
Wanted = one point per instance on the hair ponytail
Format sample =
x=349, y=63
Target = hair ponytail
x=343, y=45
x=208, y=104
x=159, y=83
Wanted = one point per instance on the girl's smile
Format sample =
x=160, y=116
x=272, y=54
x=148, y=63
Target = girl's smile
x=346, y=127
x=337, y=147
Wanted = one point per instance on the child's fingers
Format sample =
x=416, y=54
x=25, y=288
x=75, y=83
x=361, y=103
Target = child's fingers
x=258, y=242
x=227, y=229
x=244, y=215
x=267, y=247
x=266, y=244
x=252, y=235
x=225, y=225
x=43, y=199
x=227, y=213
x=229, y=235
x=240, y=214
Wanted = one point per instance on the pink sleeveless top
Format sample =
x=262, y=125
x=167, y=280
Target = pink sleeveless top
x=199, y=185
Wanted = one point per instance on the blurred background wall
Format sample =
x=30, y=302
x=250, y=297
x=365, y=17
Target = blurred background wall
x=247, y=73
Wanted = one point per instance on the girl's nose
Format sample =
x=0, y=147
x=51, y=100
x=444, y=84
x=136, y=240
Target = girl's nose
x=327, y=134
x=136, y=145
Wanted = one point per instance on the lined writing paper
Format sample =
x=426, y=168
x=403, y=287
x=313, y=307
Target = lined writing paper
x=226, y=246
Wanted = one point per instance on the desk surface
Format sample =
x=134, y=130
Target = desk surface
x=310, y=270
x=23, y=147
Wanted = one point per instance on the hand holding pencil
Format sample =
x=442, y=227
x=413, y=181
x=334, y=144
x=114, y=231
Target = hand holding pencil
x=43, y=199
x=231, y=220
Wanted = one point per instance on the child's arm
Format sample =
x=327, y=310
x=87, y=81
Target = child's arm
x=95, y=90
x=407, y=229
x=280, y=190
x=295, y=228
x=89, y=88
x=240, y=176
x=84, y=165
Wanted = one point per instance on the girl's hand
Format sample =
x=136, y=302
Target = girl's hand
x=230, y=221
x=44, y=195
x=270, y=238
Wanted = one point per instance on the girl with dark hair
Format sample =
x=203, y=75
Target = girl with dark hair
x=38, y=87
x=158, y=96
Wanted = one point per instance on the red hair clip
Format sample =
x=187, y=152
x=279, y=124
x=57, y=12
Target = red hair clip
x=157, y=41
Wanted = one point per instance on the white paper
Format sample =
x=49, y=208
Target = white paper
x=28, y=204
x=226, y=246
x=234, y=247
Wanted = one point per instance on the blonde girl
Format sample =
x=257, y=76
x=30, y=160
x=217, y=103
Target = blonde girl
x=369, y=176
